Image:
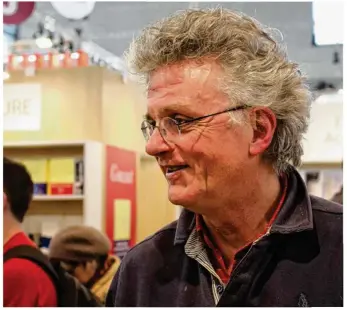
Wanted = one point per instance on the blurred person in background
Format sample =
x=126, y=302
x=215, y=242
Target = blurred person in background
x=338, y=197
x=25, y=283
x=84, y=253
x=227, y=110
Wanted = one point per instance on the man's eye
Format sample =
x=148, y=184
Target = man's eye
x=180, y=119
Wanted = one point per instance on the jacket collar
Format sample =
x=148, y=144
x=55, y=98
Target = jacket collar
x=185, y=225
x=295, y=215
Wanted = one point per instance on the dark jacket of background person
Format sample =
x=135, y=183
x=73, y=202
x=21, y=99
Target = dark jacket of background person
x=299, y=263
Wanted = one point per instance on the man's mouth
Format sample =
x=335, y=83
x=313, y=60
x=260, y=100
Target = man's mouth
x=172, y=169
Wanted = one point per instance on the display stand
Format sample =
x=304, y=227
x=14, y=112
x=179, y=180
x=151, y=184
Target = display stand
x=88, y=104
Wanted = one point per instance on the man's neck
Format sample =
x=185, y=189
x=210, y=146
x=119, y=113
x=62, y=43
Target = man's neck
x=243, y=221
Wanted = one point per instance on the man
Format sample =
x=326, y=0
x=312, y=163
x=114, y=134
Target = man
x=25, y=283
x=226, y=114
x=84, y=252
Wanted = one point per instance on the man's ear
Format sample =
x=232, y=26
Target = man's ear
x=264, y=123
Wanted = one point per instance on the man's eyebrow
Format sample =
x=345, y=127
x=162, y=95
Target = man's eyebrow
x=147, y=117
x=177, y=107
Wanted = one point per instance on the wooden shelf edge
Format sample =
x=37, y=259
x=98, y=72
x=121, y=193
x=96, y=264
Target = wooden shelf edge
x=44, y=144
x=58, y=197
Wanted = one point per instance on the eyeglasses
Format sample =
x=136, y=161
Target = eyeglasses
x=170, y=128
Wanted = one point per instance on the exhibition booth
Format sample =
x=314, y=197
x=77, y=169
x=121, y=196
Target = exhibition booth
x=77, y=130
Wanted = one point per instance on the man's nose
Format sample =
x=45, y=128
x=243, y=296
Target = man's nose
x=156, y=144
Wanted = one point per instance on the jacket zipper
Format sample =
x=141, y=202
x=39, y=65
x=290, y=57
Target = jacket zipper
x=243, y=258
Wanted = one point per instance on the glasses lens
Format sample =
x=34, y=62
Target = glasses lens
x=147, y=130
x=169, y=129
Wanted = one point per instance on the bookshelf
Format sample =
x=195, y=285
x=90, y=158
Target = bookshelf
x=86, y=207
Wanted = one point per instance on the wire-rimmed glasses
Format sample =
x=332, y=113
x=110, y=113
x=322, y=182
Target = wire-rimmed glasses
x=170, y=128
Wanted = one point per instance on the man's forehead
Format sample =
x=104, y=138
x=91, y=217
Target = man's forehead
x=181, y=87
x=187, y=71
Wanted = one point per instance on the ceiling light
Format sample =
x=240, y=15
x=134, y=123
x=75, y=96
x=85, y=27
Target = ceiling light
x=44, y=42
x=32, y=58
x=75, y=56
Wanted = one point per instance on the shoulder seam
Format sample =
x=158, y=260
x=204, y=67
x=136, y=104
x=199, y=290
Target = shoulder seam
x=327, y=211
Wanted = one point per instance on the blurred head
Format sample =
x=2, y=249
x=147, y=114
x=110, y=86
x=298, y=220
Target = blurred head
x=82, y=251
x=17, y=191
x=201, y=62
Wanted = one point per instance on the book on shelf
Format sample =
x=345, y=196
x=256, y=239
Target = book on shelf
x=66, y=176
x=79, y=176
x=38, y=169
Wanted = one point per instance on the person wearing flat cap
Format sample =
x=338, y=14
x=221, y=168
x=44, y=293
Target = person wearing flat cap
x=84, y=252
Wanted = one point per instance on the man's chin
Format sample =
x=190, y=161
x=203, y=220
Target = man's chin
x=175, y=199
x=175, y=193
x=179, y=195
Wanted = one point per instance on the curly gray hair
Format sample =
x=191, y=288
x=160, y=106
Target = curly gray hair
x=256, y=69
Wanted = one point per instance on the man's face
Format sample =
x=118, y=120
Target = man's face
x=212, y=153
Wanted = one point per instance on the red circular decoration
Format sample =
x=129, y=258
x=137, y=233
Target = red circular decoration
x=17, y=12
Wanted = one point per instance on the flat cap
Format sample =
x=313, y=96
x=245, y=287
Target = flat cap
x=78, y=244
